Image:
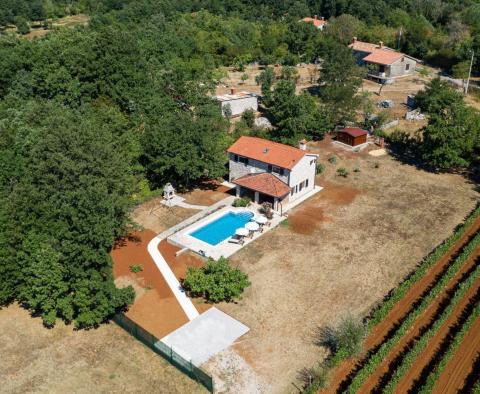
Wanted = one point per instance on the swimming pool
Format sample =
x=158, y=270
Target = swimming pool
x=223, y=227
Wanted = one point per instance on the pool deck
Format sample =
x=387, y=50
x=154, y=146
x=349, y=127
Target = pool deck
x=183, y=239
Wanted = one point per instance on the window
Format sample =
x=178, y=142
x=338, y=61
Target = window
x=269, y=168
x=301, y=187
x=276, y=170
x=235, y=158
x=292, y=191
x=306, y=183
x=296, y=188
x=243, y=160
x=407, y=67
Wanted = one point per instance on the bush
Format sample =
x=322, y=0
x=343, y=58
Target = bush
x=356, y=169
x=342, y=172
x=320, y=168
x=136, y=268
x=347, y=338
x=249, y=117
x=332, y=159
x=241, y=202
x=267, y=210
x=216, y=282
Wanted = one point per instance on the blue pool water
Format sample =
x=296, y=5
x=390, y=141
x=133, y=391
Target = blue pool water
x=222, y=228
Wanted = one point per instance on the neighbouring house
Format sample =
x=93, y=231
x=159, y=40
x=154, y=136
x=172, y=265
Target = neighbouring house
x=352, y=136
x=384, y=64
x=267, y=171
x=319, y=23
x=237, y=102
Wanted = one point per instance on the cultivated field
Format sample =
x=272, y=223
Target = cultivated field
x=60, y=360
x=340, y=253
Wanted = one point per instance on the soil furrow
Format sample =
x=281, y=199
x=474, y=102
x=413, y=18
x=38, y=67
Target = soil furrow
x=460, y=366
x=422, y=323
x=403, y=307
x=424, y=358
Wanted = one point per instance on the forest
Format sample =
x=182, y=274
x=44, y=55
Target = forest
x=93, y=119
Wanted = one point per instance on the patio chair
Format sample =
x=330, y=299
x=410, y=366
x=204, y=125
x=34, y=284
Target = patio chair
x=236, y=239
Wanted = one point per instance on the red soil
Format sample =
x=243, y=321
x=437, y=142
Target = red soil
x=156, y=308
x=460, y=365
x=401, y=308
x=429, y=352
x=307, y=218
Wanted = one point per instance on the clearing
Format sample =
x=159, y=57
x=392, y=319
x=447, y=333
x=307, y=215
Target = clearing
x=340, y=252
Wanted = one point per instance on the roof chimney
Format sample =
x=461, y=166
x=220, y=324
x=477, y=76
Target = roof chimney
x=322, y=18
x=354, y=39
x=315, y=17
x=233, y=91
x=381, y=44
x=302, y=145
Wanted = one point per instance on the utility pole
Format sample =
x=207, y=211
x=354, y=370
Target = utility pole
x=469, y=74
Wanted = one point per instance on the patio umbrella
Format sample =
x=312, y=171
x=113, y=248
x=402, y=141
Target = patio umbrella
x=242, y=232
x=252, y=226
x=261, y=220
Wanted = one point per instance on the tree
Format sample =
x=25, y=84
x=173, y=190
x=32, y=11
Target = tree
x=248, y=117
x=452, y=137
x=22, y=25
x=266, y=79
x=297, y=116
x=69, y=200
x=461, y=70
x=340, y=79
x=437, y=96
x=216, y=281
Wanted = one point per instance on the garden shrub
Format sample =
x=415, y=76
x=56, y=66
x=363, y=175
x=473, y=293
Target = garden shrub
x=332, y=159
x=320, y=168
x=216, y=281
x=241, y=202
x=342, y=172
x=136, y=268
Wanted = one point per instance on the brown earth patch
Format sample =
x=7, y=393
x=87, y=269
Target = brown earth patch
x=209, y=193
x=157, y=310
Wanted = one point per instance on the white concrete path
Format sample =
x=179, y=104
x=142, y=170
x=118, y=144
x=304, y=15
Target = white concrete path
x=171, y=279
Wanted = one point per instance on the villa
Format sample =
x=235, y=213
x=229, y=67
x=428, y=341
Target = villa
x=384, y=64
x=267, y=171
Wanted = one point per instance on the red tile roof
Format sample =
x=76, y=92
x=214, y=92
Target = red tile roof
x=316, y=22
x=266, y=151
x=383, y=56
x=265, y=183
x=353, y=131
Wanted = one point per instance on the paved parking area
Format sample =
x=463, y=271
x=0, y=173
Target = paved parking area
x=205, y=336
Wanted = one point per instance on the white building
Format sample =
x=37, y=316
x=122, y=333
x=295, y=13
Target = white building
x=238, y=102
x=267, y=171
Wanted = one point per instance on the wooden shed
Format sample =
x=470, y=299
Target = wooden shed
x=352, y=136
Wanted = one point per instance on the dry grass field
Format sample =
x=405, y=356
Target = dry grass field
x=60, y=360
x=340, y=253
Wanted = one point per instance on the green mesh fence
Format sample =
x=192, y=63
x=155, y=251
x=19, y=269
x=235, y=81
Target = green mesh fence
x=165, y=351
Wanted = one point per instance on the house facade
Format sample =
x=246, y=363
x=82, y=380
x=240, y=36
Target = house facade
x=237, y=103
x=383, y=63
x=267, y=171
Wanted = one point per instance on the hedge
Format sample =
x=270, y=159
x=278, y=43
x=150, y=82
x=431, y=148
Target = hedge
x=387, y=346
x=422, y=342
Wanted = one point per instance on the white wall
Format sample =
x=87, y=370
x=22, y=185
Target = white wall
x=305, y=169
x=239, y=106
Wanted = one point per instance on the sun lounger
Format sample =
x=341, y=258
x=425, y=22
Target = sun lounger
x=236, y=239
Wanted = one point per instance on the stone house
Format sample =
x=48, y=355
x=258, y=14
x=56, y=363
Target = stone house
x=383, y=63
x=267, y=171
